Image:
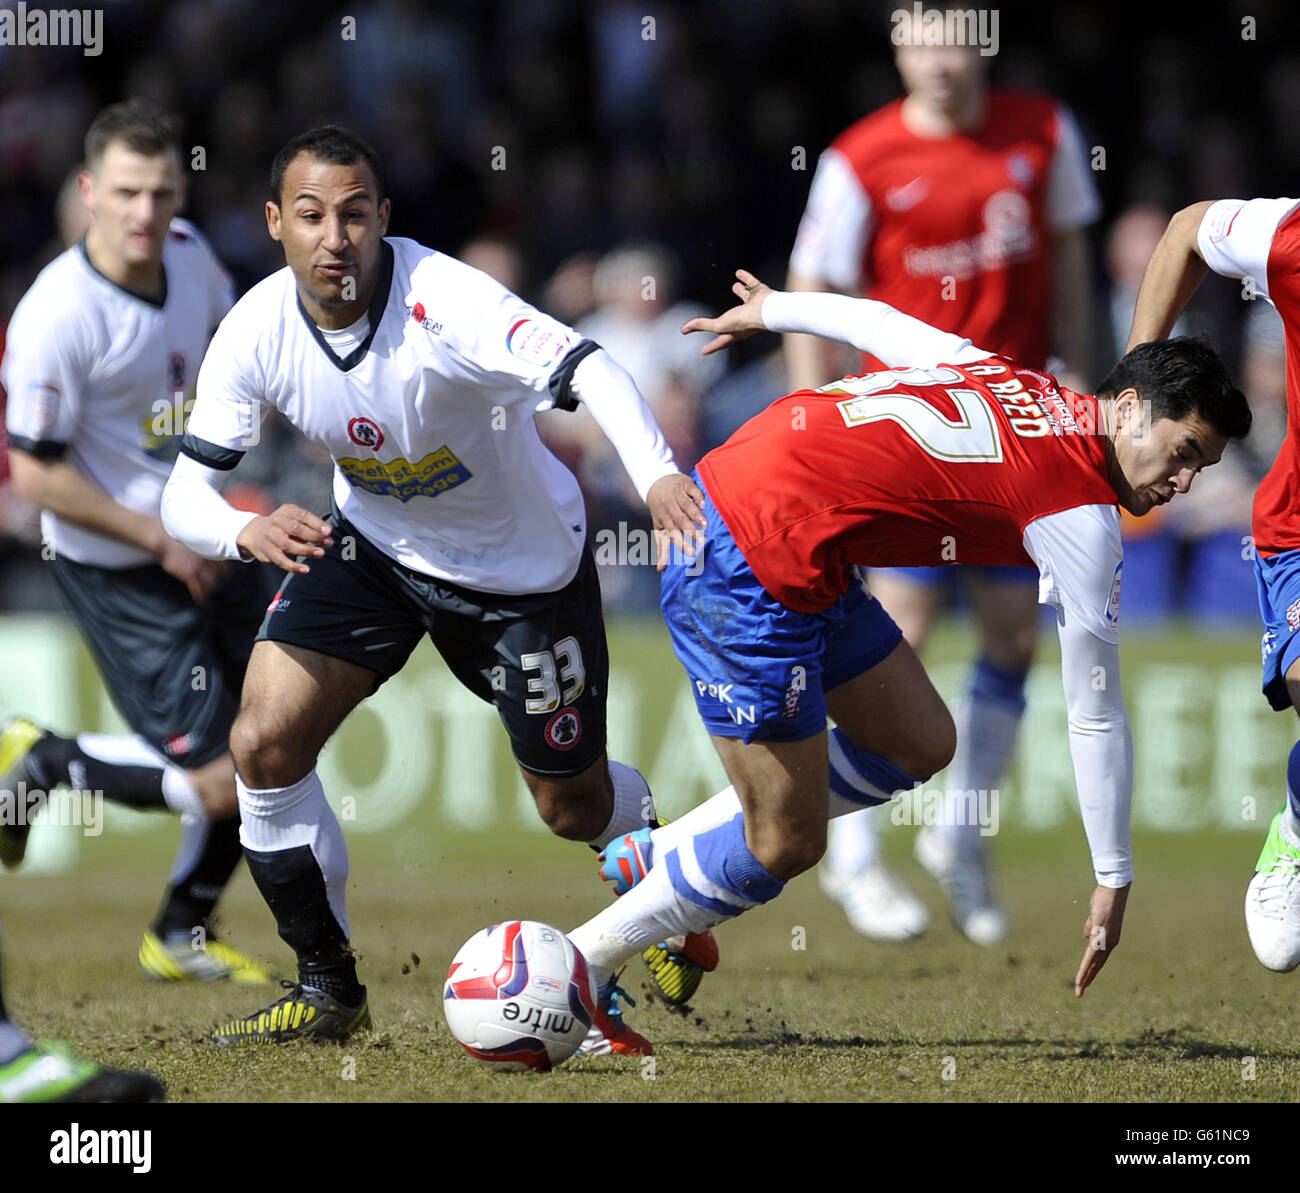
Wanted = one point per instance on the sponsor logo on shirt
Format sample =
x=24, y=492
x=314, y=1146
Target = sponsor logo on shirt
x=417, y=313
x=1112, y=605
x=537, y=343
x=365, y=432
x=439, y=471
x=163, y=427
x=1008, y=237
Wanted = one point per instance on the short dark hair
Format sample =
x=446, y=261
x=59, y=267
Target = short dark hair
x=327, y=143
x=137, y=125
x=1179, y=377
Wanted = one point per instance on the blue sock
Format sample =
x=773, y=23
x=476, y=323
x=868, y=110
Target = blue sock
x=716, y=870
x=991, y=684
x=1293, y=781
x=863, y=777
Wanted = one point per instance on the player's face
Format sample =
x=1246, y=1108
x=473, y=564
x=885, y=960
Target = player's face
x=131, y=199
x=331, y=223
x=942, y=77
x=1163, y=462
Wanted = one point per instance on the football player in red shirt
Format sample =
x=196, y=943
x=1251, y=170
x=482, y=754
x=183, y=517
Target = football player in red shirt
x=1257, y=241
x=964, y=206
x=952, y=450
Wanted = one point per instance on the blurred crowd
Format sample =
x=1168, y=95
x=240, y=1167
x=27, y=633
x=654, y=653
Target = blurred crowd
x=614, y=162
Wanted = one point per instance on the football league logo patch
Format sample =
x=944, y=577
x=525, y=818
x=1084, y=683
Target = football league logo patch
x=1112, y=605
x=564, y=730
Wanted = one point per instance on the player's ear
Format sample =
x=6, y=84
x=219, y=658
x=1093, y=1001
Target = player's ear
x=182, y=192
x=86, y=185
x=385, y=210
x=273, y=219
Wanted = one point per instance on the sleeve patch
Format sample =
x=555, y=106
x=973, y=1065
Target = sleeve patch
x=1220, y=220
x=537, y=343
x=1112, y=605
x=41, y=411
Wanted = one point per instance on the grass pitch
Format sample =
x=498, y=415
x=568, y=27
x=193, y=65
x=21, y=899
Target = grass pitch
x=1182, y=1012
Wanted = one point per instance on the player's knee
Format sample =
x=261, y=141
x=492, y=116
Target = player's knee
x=787, y=854
x=262, y=757
x=928, y=751
x=574, y=808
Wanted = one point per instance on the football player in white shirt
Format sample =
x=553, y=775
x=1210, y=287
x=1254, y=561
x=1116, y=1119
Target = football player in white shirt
x=420, y=376
x=101, y=352
x=1257, y=241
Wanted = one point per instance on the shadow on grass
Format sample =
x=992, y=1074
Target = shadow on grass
x=1151, y=1044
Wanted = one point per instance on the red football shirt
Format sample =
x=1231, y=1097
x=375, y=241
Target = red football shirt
x=907, y=467
x=1259, y=239
x=955, y=231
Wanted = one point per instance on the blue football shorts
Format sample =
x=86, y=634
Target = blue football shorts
x=760, y=670
x=1277, y=580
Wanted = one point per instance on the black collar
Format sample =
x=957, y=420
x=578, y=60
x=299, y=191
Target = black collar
x=375, y=312
x=158, y=302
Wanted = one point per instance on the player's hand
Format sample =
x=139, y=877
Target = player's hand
x=1101, y=930
x=677, y=507
x=199, y=575
x=740, y=322
x=288, y=531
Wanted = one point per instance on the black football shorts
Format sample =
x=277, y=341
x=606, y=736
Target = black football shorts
x=174, y=669
x=540, y=658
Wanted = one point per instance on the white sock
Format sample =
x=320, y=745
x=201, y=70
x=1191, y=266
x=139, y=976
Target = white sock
x=634, y=806
x=715, y=810
x=179, y=793
x=651, y=911
x=276, y=818
x=194, y=836
x=720, y=808
x=852, y=841
x=986, y=737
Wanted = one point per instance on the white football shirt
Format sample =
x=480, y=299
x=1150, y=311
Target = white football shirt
x=93, y=372
x=429, y=420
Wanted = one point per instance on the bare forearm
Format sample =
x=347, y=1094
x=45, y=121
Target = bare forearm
x=59, y=487
x=809, y=360
x=1074, y=304
x=1171, y=278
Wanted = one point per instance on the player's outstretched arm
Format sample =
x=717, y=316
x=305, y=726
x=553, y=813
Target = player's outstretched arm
x=195, y=514
x=740, y=322
x=867, y=325
x=1080, y=556
x=1172, y=275
x=675, y=502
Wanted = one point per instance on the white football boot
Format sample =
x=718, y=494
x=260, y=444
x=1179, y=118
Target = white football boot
x=1273, y=898
x=876, y=901
x=963, y=874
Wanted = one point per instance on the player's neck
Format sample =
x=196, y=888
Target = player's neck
x=336, y=318
x=930, y=120
x=145, y=279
